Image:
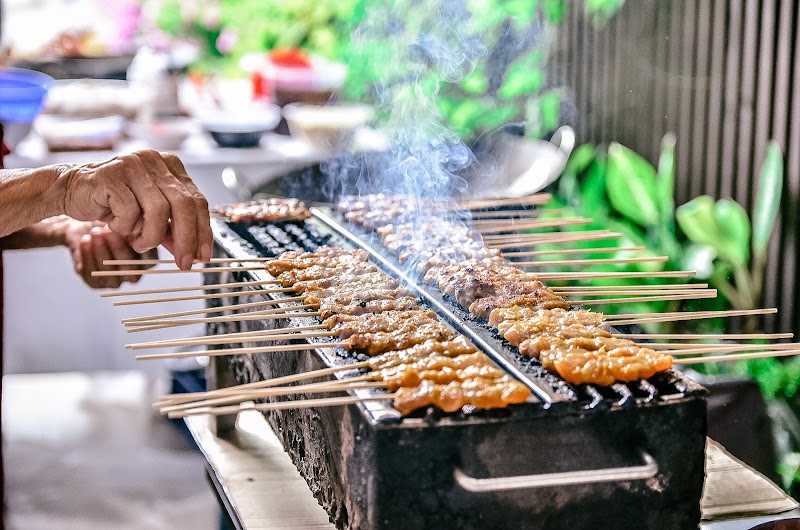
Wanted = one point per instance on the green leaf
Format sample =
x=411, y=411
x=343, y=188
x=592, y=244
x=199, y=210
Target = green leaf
x=554, y=10
x=665, y=181
x=593, y=195
x=521, y=80
x=734, y=226
x=768, y=202
x=631, y=186
x=580, y=158
x=475, y=82
x=696, y=219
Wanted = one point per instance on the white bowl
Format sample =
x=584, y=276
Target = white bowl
x=229, y=126
x=167, y=134
x=326, y=127
x=68, y=133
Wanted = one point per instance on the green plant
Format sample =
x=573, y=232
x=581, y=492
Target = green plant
x=739, y=245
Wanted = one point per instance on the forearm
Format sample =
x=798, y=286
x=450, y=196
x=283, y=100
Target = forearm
x=48, y=233
x=30, y=195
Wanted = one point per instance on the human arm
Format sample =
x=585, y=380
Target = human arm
x=145, y=196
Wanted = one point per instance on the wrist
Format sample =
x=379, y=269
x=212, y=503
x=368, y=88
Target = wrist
x=62, y=177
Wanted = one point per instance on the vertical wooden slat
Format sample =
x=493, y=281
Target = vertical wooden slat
x=695, y=176
x=730, y=92
x=792, y=151
x=744, y=151
x=714, y=102
x=684, y=93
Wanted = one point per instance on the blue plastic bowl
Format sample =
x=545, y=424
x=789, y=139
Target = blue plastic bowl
x=22, y=94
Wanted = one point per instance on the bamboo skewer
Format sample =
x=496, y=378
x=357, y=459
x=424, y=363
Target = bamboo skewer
x=202, y=270
x=717, y=348
x=701, y=336
x=356, y=383
x=628, y=319
x=206, y=310
x=160, y=324
x=738, y=357
x=209, y=296
x=282, y=405
x=602, y=250
x=691, y=295
x=588, y=275
x=523, y=238
x=489, y=230
x=241, y=351
x=207, y=287
x=569, y=289
x=221, y=338
x=590, y=261
x=526, y=213
x=612, y=292
x=248, y=339
x=275, y=381
x=482, y=204
x=119, y=262
x=588, y=235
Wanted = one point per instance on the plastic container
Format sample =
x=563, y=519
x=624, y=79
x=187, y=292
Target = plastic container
x=22, y=94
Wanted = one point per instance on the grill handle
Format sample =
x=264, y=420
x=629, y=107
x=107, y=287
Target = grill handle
x=613, y=474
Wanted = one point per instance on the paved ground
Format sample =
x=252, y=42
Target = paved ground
x=87, y=452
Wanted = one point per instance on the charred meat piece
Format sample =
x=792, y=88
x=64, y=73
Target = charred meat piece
x=542, y=298
x=405, y=303
x=265, y=210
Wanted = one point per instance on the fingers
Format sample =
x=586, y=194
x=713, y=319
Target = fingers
x=144, y=196
x=121, y=250
x=100, y=253
x=182, y=206
x=205, y=238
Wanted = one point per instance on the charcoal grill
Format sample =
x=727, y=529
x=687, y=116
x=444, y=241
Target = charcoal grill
x=626, y=456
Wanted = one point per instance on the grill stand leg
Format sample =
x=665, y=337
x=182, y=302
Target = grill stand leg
x=219, y=375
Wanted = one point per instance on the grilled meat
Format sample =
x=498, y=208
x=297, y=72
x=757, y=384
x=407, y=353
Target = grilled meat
x=265, y=210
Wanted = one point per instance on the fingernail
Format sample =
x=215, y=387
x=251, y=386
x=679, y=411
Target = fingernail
x=186, y=262
x=205, y=252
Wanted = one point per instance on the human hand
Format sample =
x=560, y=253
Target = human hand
x=145, y=196
x=90, y=243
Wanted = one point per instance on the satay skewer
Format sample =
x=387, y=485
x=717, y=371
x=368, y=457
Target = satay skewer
x=121, y=262
x=738, y=357
x=222, y=338
x=561, y=237
x=717, y=348
x=242, y=351
x=569, y=289
x=600, y=250
x=282, y=405
x=640, y=292
x=209, y=296
x=161, y=324
x=483, y=204
x=354, y=383
x=576, y=276
x=590, y=261
x=202, y=270
x=266, y=383
x=632, y=318
x=243, y=340
x=206, y=287
x=492, y=229
x=691, y=295
x=701, y=336
x=525, y=213
x=205, y=311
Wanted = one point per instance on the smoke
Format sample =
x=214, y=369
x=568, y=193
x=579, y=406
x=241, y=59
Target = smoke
x=421, y=44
